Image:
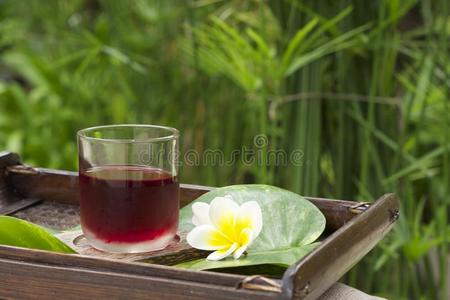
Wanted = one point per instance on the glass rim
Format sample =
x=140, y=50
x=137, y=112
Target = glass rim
x=173, y=134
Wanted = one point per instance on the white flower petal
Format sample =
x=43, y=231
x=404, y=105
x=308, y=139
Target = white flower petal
x=219, y=254
x=222, y=213
x=200, y=213
x=250, y=216
x=239, y=251
x=206, y=237
x=245, y=239
x=225, y=227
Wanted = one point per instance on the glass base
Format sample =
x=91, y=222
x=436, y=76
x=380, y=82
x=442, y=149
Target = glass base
x=114, y=247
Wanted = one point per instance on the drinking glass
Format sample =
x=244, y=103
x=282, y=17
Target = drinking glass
x=129, y=190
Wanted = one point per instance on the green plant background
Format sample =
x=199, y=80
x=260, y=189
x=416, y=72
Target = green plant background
x=360, y=87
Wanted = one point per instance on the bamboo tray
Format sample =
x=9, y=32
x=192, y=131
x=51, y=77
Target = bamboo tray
x=50, y=198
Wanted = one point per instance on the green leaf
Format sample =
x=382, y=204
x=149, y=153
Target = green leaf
x=341, y=42
x=260, y=42
x=20, y=233
x=282, y=257
x=290, y=225
x=295, y=42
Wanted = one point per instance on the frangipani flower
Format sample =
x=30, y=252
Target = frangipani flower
x=225, y=227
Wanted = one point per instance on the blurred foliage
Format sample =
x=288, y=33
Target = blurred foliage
x=361, y=87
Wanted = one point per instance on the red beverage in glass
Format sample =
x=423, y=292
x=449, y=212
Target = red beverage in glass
x=129, y=208
x=129, y=191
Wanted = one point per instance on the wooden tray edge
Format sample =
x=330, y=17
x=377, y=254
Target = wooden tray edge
x=320, y=269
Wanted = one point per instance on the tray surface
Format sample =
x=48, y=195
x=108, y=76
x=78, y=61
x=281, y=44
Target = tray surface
x=51, y=214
